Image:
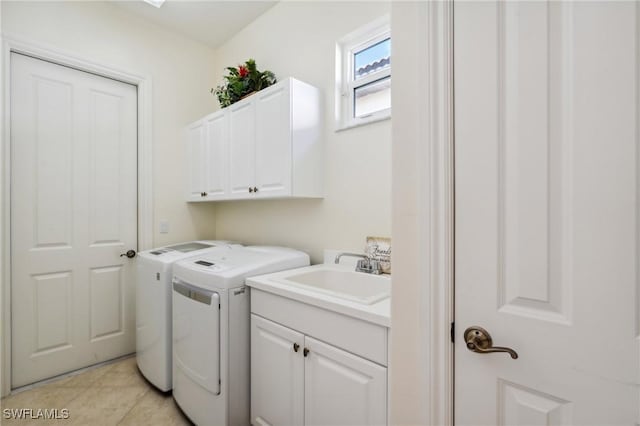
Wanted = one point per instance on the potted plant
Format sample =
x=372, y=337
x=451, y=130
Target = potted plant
x=242, y=82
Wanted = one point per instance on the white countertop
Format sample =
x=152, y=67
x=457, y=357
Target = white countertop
x=378, y=313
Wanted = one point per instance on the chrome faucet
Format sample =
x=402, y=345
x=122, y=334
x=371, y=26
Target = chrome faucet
x=365, y=264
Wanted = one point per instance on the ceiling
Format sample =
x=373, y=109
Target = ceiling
x=210, y=21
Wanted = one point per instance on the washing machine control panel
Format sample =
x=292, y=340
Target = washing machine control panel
x=210, y=265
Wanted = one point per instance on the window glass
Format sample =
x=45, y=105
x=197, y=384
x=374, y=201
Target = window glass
x=371, y=59
x=372, y=97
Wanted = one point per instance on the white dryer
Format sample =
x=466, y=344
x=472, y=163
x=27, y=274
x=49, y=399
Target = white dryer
x=153, y=307
x=211, y=334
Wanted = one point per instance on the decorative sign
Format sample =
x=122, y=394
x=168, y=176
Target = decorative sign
x=379, y=248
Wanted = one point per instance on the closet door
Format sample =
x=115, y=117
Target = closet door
x=73, y=212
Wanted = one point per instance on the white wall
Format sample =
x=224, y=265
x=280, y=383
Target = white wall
x=181, y=71
x=298, y=39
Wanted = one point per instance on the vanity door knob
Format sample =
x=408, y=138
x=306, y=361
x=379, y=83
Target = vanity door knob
x=296, y=347
x=250, y=189
x=255, y=189
x=305, y=351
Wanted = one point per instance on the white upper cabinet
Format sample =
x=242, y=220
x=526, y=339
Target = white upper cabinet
x=273, y=142
x=195, y=164
x=242, y=135
x=265, y=146
x=215, y=156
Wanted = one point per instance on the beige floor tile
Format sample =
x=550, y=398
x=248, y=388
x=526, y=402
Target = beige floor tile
x=114, y=394
x=83, y=380
x=43, y=397
x=155, y=408
x=104, y=405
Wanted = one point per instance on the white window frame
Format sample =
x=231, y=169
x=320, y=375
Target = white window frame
x=346, y=83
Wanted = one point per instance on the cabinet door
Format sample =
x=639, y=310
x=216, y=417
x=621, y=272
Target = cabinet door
x=195, y=161
x=242, y=137
x=273, y=141
x=277, y=374
x=216, y=156
x=341, y=388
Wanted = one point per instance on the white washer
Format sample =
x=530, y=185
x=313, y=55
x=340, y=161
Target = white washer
x=211, y=335
x=153, y=306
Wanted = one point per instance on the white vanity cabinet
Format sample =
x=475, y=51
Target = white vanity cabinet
x=267, y=146
x=207, y=143
x=310, y=366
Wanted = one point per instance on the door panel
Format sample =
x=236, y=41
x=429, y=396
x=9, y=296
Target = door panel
x=216, y=158
x=194, y=165
x=73, y=211
x=277, y=374
x=546, y=114
x=273, y=142
x=242, y=137
x=341, y=388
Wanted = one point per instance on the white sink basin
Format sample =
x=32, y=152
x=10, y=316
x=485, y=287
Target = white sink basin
x=345, y=284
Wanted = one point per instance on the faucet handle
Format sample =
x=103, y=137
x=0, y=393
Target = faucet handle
x=370, y=266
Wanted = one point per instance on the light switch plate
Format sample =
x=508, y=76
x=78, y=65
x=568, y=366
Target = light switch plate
x=164, y=226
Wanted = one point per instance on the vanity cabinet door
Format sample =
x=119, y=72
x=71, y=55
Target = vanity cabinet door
x=277, y=374
x=195, y=160
x=341, y=388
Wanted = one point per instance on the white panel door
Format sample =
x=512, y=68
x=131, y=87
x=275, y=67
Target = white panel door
x=73, y=212
x=242, y=138
x=273, y=142
x=547, y=212
x=341, y=388
x=196, y=160
x=277, y=374
x=216, y=158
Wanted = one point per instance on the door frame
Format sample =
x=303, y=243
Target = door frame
x=145, y=161
x=426, y=261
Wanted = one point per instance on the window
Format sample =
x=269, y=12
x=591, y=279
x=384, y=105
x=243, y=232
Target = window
x=363, y=75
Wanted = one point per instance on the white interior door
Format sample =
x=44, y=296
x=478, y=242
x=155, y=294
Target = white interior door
x=73, y=212
x=547, y=211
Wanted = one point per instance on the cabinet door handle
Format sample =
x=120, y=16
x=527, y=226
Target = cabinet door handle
x=204, y=194
x=255, y=189
x=296, y=347
x=305, y=352
x=250, y=189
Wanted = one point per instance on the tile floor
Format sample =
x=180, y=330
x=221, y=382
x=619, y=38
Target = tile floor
x=113, y=394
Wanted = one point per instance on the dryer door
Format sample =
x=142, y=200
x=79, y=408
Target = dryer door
x=196, y=334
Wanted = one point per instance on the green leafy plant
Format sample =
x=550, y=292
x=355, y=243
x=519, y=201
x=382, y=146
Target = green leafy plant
x=242, y=81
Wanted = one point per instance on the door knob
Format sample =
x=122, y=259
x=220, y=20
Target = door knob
x=296, y=347
x=250, y=189
x=255, y=189
x=130, y=254
x=479, y=340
